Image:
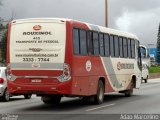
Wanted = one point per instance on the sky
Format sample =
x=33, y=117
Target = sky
x=140, y=17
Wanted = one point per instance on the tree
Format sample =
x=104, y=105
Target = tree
x=158, y=46
x=3, y=40
x=3, y=45
x=1, y=25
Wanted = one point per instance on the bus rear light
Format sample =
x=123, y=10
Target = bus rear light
x=66, y=73
x=1, y=80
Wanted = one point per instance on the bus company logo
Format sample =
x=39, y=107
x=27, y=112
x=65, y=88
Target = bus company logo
x=118, y=66
x=37, y=27
x=35, y=66
x=121, y=66
x=88, y=65
x=35, y=49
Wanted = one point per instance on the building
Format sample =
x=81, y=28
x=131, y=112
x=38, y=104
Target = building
x=149, y=55
x=152, y=53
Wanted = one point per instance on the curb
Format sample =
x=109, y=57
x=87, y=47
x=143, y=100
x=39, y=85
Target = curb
x=154, y=79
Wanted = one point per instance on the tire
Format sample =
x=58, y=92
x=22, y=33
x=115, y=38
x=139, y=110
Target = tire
x=6, y=96
x=146, y=80
x=88, y=99
x=129, y=93
x=28, y=96
x=99, y=97
x=54, y=100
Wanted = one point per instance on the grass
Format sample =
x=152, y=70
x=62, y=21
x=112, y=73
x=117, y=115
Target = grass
x=154, y=69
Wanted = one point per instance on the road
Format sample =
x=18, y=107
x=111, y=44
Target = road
x=146, y=100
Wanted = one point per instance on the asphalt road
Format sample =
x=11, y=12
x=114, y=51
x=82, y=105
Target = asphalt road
x=146, y=100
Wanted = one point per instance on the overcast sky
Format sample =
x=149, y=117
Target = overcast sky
x=141, y=17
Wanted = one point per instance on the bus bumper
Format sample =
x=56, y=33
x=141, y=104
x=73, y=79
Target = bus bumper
x=39, y=89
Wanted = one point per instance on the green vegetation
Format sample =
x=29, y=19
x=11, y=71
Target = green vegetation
x=4, y=44
x=158, y=46
x=154, y=69
x=0, y=56
x=3, y=39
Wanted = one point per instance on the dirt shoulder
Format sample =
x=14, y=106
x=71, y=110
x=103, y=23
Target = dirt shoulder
x=154, y=75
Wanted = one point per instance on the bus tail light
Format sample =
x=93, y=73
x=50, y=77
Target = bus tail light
x=66, y=73
x=1, y=80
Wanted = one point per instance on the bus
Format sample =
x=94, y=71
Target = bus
x=145, y=55
x=54, y=57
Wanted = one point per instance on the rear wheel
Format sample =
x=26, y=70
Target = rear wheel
x=6, y=96
x=55, y=99
x=129, y=92
x=146, y=80
x=88, y=99
x=99, y=97
x=28, y=96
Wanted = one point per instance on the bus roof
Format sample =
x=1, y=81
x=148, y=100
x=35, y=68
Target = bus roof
x=91, y=26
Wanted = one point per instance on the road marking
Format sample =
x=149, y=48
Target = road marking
x=100, y=107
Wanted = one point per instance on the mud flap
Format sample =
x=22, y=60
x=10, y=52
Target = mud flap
x=138, y=81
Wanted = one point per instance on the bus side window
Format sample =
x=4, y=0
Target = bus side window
x=76, y=41
x=95, y=43
x=133, y=48
x=116, y=43
x=101, y=43
x=90, y=42
x=106, y=44
x=83, y=42
x=111, y=45
x=121, y=47
x=129, y=48
x=125, y=47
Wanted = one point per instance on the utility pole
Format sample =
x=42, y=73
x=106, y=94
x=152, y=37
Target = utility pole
x=106, y=13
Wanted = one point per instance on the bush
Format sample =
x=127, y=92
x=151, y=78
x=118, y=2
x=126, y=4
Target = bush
x=154, y=69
